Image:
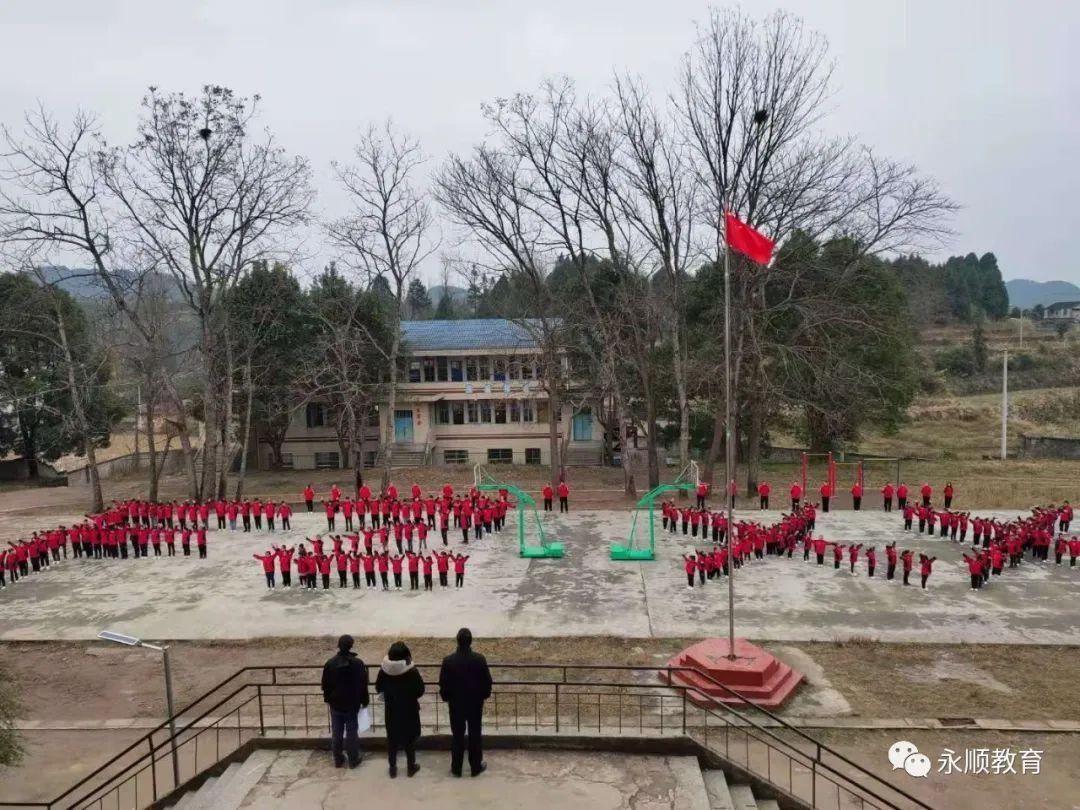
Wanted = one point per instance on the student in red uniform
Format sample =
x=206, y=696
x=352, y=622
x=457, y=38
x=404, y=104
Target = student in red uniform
x=907, y=560
x=887, y=493
x=257, y=513
x=564, y=497
x=547, y=493
x=309, y=498
x=324, y=561
x=901, y=495
x=267, y=561
x=329, y=508
x=702, y=492
x=909, y=515
x=341, y=560
x=284, y=559
x=825, y=491
x=219, y=512
x=819, y=550
x=442, y=563
x=948, y=494
x=285, y=513
x=871, y=561
x=1074, y=551
x=763, y=490
x=459, y=569
x=856, y=495
x=395, y=565
x=732, y=491
x=413, y=564
x=200, y=542
x=853, y=556
x=926, y=565
x=890, y=557
x=427, y=563
x=926, y=491
x=974, y=565
x=796, y=496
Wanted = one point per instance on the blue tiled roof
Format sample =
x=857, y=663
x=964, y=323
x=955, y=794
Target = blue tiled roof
x=458, y=335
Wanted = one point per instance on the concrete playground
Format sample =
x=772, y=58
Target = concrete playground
x=224, y=597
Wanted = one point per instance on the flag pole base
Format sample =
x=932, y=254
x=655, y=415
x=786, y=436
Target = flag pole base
x=758, y=676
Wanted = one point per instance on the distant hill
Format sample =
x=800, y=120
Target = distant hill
x=1025, y=293
x=459, y=295
x=83, y=283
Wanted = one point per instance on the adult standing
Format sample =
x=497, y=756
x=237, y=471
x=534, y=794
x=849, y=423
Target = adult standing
x=401, y=686
x=465, y=683
x=345, y=690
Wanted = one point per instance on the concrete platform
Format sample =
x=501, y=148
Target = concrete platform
x=515, y=780
x=584, y=594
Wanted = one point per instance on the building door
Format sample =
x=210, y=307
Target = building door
x=403, y=427
x=582, y=429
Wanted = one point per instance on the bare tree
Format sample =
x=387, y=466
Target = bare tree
x=387, y=234
x=751, y=95
x=205, y=197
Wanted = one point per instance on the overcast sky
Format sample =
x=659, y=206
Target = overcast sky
x=982, y=94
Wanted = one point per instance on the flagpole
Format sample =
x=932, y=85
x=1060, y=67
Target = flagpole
x=729, y=454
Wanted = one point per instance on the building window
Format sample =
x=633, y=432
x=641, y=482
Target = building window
x=500, y=412
x=414, y=371
x=484, y=364
x=485, y=411
x=455, y=456
x=515, y=411
x=499, y=366
x=327, y=461
x=471, y=373
x=442, y=413
x=500, y=455
x=440, y=367
x=515, y=368
x=457, y=412
x=532, y=455
x=456, y=370
x=315, y=415
x=429, y=369
x=472, y=411
x=527, y=364
x=542, y=411
x=286, y=461
x=528, y=410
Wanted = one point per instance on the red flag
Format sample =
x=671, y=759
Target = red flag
x=750, y=243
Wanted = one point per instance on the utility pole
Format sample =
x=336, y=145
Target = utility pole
x=1005, y=405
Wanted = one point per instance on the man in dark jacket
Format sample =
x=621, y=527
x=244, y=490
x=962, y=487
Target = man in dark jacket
x=345, y=690
x=465, y=683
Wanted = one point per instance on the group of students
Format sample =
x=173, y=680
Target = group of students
x=315, y=563
x=126, y=530
x=754, y=541
x=901, y=492
x=996, y=543
x=386, y=512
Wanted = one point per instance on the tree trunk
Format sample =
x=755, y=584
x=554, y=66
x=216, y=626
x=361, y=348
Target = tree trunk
x=754, y=431
x=391, y=405
x=650, y=425
x=249, y=387
x=629, y=487
x=224, y=457
x=151, y=447
x=684, y=400
x=555, y=406
x=79, y=412
x=716, y=447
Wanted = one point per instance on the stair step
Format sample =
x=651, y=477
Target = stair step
x=199, y=797
x=743, y=797
x=768, y=804
x=690, y=792
x=717, y=788
x=247, y=774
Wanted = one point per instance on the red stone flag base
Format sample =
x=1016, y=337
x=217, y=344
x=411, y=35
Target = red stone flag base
x=753, y=673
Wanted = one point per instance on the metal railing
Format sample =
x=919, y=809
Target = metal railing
x=286, y=701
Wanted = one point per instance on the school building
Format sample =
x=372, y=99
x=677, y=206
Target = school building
x=470, y=393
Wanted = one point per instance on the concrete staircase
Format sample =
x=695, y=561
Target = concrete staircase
x=587, y=456
x=404, y=455
x=273, y=778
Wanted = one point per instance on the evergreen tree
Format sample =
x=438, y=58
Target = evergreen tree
x=417, y=300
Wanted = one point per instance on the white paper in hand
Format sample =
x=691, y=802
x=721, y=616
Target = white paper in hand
x=363, y=720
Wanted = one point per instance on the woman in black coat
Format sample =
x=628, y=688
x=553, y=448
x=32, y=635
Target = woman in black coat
x=401, y=686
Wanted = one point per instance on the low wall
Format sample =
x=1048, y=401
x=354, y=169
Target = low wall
x=1049, y=447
